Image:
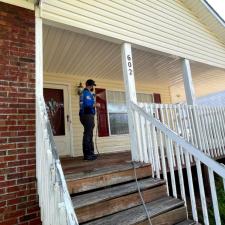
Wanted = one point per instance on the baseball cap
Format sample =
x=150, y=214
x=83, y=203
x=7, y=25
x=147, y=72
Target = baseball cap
x=90, y=82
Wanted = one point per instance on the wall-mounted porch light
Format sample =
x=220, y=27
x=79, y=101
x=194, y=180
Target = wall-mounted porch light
x=79, y=89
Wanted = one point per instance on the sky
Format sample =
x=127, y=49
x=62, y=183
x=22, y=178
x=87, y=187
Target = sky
x=219, y=6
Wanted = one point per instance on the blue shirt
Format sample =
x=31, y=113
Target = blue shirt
x=86, y=103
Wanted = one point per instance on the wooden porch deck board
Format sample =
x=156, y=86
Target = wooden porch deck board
x=115, y=192
x=137, y=215
x=78, y=165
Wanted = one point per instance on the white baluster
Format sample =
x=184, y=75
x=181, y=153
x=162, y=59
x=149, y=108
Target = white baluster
x=152, y=152
x=214, y=133
x=205, y=131
x=180, y=174
x=207, y=128
x=213, y=152
x=142, y=139
x=222, y=128
x=173, y=128
x=217, y=124
x=193, y=125
x=202, y=192
x=179, y=121
x=155, y=144
x=190, y=134
x=163, y=160
x=147, y=137
x=171, y=165
x=214, y=197
x=191, y=188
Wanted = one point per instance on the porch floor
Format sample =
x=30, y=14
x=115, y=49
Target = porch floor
x=76, y=165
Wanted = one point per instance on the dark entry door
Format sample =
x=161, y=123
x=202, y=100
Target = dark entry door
x=56, y=101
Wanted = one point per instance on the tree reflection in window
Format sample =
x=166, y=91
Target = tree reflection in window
x=55, y=112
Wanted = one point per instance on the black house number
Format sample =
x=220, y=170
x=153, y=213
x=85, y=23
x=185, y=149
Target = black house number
x=129, y=64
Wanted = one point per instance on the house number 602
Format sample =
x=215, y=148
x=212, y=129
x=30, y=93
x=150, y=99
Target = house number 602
x=129, y=64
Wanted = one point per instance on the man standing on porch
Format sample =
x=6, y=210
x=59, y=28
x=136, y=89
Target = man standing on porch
x=87, y=113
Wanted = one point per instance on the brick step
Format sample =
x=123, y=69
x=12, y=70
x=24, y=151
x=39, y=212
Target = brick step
x=164, y=211
x=105, y=176
x=110, y=200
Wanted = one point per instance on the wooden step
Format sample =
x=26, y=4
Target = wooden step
x=101, y=177
x=188, y=222
x=165, y=211
x=74, y=165
x=104, y=202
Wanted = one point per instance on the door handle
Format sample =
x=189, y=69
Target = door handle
x=68, y=122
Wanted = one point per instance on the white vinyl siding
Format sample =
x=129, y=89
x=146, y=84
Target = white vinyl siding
x=163, y=25
x=105, y=144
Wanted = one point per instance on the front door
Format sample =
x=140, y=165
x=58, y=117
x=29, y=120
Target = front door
x=57, y=105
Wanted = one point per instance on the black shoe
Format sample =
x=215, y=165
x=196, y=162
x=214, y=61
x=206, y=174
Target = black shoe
x=90, y=157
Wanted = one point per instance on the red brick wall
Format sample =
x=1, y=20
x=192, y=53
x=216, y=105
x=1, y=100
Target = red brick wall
x=18, y=198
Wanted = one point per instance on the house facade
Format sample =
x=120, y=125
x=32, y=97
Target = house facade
x=49, y=47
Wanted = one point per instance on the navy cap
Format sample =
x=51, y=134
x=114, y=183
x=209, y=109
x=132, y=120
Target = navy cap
x=90, y=82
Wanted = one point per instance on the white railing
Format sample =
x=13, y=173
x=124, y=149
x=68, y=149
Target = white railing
x=202, y=126
x=54, y=199
x=166, y=150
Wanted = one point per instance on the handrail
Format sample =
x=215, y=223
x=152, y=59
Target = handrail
x=164, y=148
x=208, y=161
x=54, y=199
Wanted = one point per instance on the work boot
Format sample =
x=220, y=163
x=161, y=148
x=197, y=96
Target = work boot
x=90, y=157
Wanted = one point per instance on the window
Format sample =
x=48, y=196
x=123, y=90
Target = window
x=117, y=109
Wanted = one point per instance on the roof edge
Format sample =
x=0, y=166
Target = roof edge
x=23, y=4
x=213, y=12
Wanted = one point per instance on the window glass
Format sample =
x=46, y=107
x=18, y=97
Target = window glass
x=118, y=123
x=117, y=109
x=144, y=98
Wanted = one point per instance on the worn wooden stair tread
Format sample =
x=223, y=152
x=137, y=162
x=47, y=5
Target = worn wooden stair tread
x=74, y=165
x=137, y=215
x=103, y=177
x=188, y=222
x=103, y=171
x=111, y=200
x=114, y=192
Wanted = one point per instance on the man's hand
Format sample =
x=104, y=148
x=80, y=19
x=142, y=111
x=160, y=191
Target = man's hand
x=97, y=105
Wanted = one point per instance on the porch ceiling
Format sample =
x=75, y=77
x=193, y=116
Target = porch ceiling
x=67, y=52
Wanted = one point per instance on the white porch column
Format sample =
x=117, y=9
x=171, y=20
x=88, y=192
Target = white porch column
x=129, y=81
x=38, y=54
x=188, y=83
x=38, y=85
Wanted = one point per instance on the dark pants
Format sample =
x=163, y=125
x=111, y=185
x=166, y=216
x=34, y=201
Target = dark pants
x=88, y=124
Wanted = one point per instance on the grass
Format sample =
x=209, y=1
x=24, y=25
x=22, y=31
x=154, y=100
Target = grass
x=221, y=202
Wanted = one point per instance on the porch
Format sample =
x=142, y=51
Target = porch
x=155, y=136
x=71, y=58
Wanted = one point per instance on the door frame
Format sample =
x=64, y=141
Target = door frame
x=68, y=86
